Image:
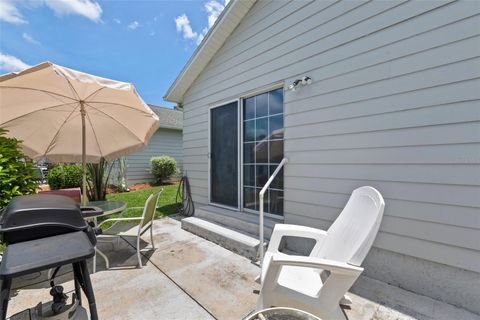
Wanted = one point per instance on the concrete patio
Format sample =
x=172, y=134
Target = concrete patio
x=187, y=277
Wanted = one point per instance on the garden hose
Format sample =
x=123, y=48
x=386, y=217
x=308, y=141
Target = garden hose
x=183, y=198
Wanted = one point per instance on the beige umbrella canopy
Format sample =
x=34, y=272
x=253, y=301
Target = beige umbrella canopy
x=71, y=116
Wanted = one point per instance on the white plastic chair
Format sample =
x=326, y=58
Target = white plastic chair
x=318, y=282
x=134, y=226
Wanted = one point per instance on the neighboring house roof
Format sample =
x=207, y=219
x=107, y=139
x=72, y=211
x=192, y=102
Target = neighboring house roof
x=169, y=118
x=213, y=41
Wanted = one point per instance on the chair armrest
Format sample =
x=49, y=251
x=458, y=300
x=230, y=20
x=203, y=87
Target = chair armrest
x=317, y=263
x=120, y=220
x=126, y=210
x=291, y=230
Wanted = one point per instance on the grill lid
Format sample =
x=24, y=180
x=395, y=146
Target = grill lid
x=38, y=216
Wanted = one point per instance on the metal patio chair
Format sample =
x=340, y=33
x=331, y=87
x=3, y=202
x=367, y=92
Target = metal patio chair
x=134, y=226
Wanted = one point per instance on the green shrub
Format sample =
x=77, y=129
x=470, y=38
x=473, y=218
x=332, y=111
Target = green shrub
x=65, y=176
x=162, y=168
x=16, y=175
x=55, y=178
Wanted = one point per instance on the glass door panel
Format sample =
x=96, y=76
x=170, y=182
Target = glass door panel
x=224, y=155
x=263, y=150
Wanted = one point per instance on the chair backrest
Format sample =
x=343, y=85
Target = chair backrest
x=73, y=193
x=352, y=234
x=150, y=208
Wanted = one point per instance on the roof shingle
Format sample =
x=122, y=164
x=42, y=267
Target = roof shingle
x=169, y=118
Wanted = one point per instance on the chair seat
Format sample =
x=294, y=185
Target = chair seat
x=305, y=280
x=128, y=229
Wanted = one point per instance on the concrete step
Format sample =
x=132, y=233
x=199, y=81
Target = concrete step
x=234, y=240
x=242, y=221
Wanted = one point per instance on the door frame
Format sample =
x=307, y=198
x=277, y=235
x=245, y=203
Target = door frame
x=239, y=150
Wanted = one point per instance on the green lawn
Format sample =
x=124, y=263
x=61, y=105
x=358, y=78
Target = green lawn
x=166, y=203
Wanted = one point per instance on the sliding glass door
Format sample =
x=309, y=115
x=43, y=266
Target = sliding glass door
x=261, y=144
x=224, y=155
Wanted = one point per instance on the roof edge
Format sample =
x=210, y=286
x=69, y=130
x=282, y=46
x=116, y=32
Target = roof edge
x=187, y=76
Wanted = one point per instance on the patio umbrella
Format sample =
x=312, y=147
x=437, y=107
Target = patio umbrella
x=71, y=116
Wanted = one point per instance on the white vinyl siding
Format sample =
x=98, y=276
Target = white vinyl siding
x=393, y=104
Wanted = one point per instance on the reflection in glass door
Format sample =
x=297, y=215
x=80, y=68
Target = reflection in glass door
x=263, y=150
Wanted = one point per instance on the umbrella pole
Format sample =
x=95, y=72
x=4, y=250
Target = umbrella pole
x=84, y=155
x=84, y=178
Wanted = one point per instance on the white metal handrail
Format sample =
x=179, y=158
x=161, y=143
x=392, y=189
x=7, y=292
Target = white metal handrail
x=261, y=195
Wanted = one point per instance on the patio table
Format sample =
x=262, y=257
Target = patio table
x=108, y=207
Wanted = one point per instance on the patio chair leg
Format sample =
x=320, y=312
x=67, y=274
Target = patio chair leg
x=107, y=263
x=138, y=253
x=151, y=237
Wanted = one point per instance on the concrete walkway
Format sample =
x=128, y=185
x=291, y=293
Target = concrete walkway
x=187, y=277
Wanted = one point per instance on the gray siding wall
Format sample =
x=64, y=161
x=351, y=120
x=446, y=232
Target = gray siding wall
x=393, y=104
x=163, y=142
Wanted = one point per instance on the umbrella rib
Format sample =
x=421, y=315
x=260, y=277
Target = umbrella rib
x=44, y=91
x=71, y=87
x=43, y=109
x=94, y=92
x=59, y=129
x=94, y=133
x=115, y=121
x=122, y=105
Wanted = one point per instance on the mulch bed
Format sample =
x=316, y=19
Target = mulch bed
x=139, y=186
x=113, y=189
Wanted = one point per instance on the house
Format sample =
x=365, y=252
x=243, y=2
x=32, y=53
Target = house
x=166, y=141
x=389, y=98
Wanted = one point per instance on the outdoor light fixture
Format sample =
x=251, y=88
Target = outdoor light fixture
x=304, y=81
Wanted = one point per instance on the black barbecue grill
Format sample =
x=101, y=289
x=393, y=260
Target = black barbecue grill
x=43, y=232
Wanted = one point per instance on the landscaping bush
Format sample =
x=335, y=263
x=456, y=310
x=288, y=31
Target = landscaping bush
x=97, y=179
x=16, y=175
x=65, y=176
x=162, y=168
